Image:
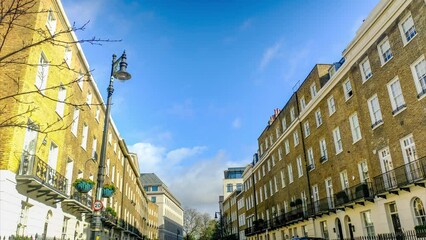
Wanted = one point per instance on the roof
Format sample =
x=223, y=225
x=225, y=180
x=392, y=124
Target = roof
x=149, y=179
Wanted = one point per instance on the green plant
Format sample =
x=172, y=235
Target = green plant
x=298, y=201
x=420, y=228
x=80, y=180
x=111, y=211
x=109, y=186
x=292, y=204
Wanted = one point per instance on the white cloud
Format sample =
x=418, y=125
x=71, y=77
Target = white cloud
x=270, y=54
x=195, y=180
x=246, y=24
x=183, y=110
x=236, y=123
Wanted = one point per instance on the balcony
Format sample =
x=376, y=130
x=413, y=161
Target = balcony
x=323, y=206
x=354, y=195
x=401, y=178
x=258, y=226
x=108, y=219
x=78, y=202
x=39, y=180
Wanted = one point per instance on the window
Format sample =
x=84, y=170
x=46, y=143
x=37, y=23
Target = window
x=311, y=162
x=347, y=89
x=280, y=153
x=407, y=29
x=273, y=160
x=365, y=68
x=284, y=123
x=94, y=145
x=368, y=224
x=299, y=166
x=42, y=72
x=355, y=128
x=302, y=103
x=84, y=136
x=282, y=178
x=290, y=173
x=292, y=114
x=419, y=212
x=395, y=95
x=154, y=199
x=385, y=51
x=324, y=229
x=313, y=90
x=307, y=129
x=318, y=117
x=265, y=191
x=53, y=158
x=80, y=80
x=68, y=55
x=287, y=146
x=363, y=171
x=331, y=105
x=269, y=165
x=323, y=149
x=74, y=126
x=375, y=112
x=344, y=181
x=89, y=98
x=108, y=163
x=409, y=152
x=263, y=170
x=98, y=113
x=51, y=22
x=296, y=138
x=418, y=68
x=337, y=140
x=109, y=138
x=239, y=187
x=229, y=187
x=277, y=132
x=60, y=104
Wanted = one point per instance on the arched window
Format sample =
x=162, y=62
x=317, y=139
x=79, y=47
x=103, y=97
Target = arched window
x=419, y=212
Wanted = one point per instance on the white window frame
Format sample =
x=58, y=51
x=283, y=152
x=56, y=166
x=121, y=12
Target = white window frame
x=419, y=80
x=365, y=69
x=290, y=173
x=299, y=166
x=89, y=98
x=280, y=154
x=284, y=124
x=74, y=125
x=311, y=161
x=307, y=129
x=331, y=105
x=98, y=113
x=80, y=80
x=399, y=106
x=94, y=146
x=347, y=89
x=292, y=114
x=386, y=55
x=363, y=171
x=282, y=178
x=287, y=146
x=84, y=136
x=68, y=55
x=323, y=149
x=375, y=111
x=367, y=223
x=337, y=140
x=51, y=21
x=296, y=138
x=302, y=103
x=318, y=117
x=407, y=34
x=42, y=73
x=314, y=92
x=60, y=104
x=355, y=127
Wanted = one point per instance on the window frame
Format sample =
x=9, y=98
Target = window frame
x=318, y=117
x=375, y=122
x=307, y=129
x=337, y=138
x=347, y=89
x=407, y=38
x=384, y=60
x=395, y=107
x=365, y=75
x=421, y=90
x=331, y=103
x=355, y=127
x=42, y=73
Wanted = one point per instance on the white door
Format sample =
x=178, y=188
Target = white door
x=316, y=197
x=386, y=164
x=68, y=174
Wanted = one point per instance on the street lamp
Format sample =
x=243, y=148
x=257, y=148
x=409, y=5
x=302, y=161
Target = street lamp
x=216, y=214
x=119, y=72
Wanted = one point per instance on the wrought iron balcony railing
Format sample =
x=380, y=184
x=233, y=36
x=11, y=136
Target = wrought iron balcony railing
x=353, y=194
x=35, y=170
x=400, y=177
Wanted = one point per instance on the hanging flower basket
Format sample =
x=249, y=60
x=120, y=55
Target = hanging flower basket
x=83, y=185
x=108, y=190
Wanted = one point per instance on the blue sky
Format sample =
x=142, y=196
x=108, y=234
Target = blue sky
x=207, y=76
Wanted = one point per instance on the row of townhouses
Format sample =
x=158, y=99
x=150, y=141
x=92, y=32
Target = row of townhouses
x=346, y=156
x=51, y=128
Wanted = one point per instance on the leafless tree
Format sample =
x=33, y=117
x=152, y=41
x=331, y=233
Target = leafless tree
x=19, y=34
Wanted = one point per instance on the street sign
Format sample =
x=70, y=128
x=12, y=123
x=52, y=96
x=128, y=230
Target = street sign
x=97, y=205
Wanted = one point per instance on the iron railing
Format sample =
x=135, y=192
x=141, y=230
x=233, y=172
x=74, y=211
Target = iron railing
x=352, y=194
x=32, y=166
x=83, y=198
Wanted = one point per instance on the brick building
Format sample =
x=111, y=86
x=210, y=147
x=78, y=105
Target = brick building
x=51, y=133
x=345, y=157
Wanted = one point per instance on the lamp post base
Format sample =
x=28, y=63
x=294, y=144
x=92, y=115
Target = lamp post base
x=96, y=227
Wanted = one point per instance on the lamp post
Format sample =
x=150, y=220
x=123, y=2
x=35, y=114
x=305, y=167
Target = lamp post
x=220, y=223
x=118, y=71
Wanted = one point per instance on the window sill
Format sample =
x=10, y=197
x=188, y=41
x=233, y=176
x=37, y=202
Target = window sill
x=407, y=42
x=337, y=153
x=356, y=141
x=421, y=95
x=399, y=109
x=364, y=80
x=377, y=124
x=347, y=98
x=384, y=63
